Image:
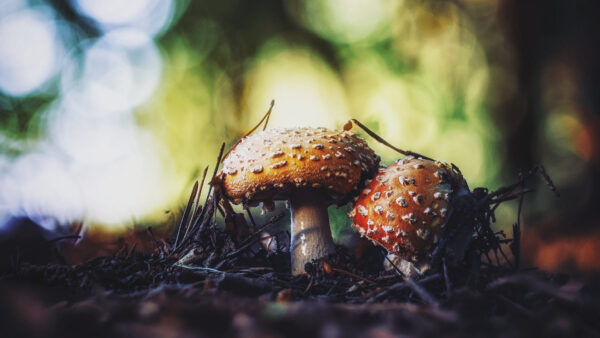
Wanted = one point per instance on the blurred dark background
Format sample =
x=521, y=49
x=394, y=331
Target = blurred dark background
x=109, y=109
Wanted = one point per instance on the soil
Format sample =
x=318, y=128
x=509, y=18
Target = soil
x=211, y=279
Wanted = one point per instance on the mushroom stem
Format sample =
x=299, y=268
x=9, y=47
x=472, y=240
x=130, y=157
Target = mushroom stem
x=311, y=235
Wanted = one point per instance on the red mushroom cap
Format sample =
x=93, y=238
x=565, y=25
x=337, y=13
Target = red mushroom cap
x=405, y=208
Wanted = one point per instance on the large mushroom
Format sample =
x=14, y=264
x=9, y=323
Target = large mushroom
x=311, y=168
x=406, y=207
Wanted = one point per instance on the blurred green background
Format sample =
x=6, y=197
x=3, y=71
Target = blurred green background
x=110, y=109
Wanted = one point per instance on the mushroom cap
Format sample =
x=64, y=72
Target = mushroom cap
x=405, y=208
x=273, y=164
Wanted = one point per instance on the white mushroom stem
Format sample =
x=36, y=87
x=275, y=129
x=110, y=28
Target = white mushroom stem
x=311, y=235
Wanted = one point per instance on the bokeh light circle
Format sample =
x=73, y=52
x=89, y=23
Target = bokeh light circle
x=149, y=16
x=348, y=21
x=119, y=72
x=29, y=51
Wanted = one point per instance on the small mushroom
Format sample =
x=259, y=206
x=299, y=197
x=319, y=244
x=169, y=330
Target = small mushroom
x=308, y=185
x=414, y=214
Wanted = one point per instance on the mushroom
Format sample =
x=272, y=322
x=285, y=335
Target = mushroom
x=406, y=207
x=311, y=168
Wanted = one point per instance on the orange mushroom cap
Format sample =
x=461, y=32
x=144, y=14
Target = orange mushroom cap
x=272, y=164
x=406, y=207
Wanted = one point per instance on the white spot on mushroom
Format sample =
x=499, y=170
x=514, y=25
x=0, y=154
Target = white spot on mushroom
x=318, y=146
x=279, y=164
x=378, y=209
x=362, y=211
x=339, y=155
x=437, y=195
x=314, y=158
x=418, y=166
x=410, y=218
x=301, y=157
x=276, y=154
x=356, y=163
x=440, y=175
x=295, y=146
x=443, y=212
x=370, y=223
x=327, y=157
x=366, y=191
x=324, y=168
x=375, y=196
x=387, y=228
x=257, y=169
x=390, y=216
x=388, y=193
x=401, y=202
x=428, y=211
x=230, y=171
